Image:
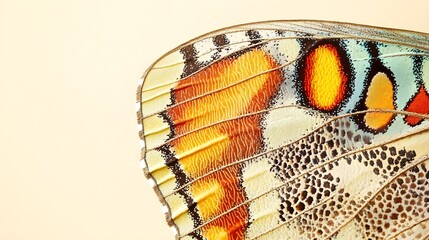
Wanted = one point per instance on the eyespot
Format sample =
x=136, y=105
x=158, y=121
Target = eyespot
x=325, y=73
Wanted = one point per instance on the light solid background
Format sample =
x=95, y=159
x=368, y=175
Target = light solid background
x=69, y=147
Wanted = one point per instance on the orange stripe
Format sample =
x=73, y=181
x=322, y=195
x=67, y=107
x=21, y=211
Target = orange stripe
x=221, y=144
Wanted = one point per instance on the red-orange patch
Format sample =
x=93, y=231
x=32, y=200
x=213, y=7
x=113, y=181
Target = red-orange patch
x=419, y=104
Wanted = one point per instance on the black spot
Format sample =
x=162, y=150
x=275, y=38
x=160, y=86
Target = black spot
x=372, y=154
x=365, y=155
x=281, y=216
x=349, y=135
x=349, y=160
x=366, y=140
x=330, y=143
x=290, y=209
x=356, y=138
x=309, y=200
x=403, y=162
x=411, y=154
x=392, y=151
x=254, y=36
x=191, y=64
x=220, y=40
x=300, y=206
x=376, y=171
x=316, y=160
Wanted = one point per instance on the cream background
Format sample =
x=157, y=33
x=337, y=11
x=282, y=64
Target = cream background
x=69, y=148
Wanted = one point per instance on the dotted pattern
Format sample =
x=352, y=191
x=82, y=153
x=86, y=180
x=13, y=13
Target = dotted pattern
x=384, y=161
x=336, y=138
x=299, y=196
x=398, y=206
x=313, y=200
x=420, y=231
x=322, y=219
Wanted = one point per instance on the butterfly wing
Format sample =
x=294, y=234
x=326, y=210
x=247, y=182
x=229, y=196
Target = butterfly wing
x=290, y=130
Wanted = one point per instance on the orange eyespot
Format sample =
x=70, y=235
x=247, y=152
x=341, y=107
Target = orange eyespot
x=380, y=96
x=325, y=81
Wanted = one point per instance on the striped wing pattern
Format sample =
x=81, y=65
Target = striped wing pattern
x=290, y=130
